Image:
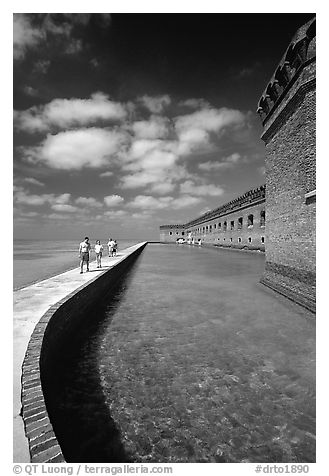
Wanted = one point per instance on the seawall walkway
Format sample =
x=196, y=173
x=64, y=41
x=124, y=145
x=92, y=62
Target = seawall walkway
x=30, y=304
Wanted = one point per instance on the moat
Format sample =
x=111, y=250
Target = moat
x=192, y=360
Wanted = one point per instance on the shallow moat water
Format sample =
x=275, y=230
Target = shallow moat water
x=191, y=361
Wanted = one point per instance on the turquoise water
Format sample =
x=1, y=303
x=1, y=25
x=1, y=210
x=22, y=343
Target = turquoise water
x=35, y=260
x=192, y=360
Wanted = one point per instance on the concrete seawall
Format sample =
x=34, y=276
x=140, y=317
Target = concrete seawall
x=48, y=315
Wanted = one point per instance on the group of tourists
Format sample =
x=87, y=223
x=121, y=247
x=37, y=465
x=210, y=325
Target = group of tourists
x=85, y=250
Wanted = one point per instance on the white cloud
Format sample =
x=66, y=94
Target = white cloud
x=31, y=30
x=148, y=202
x=63, y=198
x=24, y=198
x=156, y=127
x=185, y=201
x=58, y=216
x=59, y=207
x=192, y=140
x=145, y=215
x=210, y=120
x=106, y=174
x=115, y=214
x=34, y=181
x=25, y=36
x=113, y=200
x=88, y=202
x=155, y=104
x=74, y=150
x=226, y=163
x=190, y=187
x=30, y=199
x=63, y=113
x=162, y=188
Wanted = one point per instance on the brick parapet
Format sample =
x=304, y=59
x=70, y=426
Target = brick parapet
x=293, y=68
x=56, y=328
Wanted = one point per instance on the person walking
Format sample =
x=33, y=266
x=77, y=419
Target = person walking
x=115, y=248
x=84, y=250
x=110, y=245
x=99, y=251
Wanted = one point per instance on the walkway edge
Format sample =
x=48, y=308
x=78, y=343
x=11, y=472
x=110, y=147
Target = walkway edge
x=36, y=441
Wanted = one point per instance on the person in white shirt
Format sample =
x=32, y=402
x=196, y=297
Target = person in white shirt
x=84, y=250
x=99, y=250
x=110, y=245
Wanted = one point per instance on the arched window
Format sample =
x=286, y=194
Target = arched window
x=262, y=218
x=240, y=222
x=232, y=224
x=225, y=225
x=250, y=221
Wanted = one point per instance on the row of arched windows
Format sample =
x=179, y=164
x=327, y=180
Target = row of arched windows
x=232, y=224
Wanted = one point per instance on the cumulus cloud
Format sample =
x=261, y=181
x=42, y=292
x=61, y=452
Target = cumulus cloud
x=25, y=198
x=113, y=200
x=190, y=187
x=155, y=104
x=162, y=188
x=88, y=202
x=58, y=216
x=226, y=163
x=62, y=207
x=151, y=154
x=115, y=214
x=210, y=120
x=192, y=140
x=148, y=202
x=74, y=150
x=63, y=113
x=154, y=128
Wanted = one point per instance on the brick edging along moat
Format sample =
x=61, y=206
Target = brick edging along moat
x=53, y=331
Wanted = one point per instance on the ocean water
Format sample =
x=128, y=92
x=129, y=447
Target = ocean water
x=36, y=260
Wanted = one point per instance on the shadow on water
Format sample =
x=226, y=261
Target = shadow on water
x=75, y=401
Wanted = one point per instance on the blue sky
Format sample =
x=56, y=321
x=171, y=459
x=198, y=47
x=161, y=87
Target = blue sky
x=125, y=122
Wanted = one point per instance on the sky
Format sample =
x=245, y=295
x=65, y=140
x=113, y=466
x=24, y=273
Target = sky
x=124, y=122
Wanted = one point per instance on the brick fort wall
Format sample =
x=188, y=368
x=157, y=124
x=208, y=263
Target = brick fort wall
x=287, y=108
